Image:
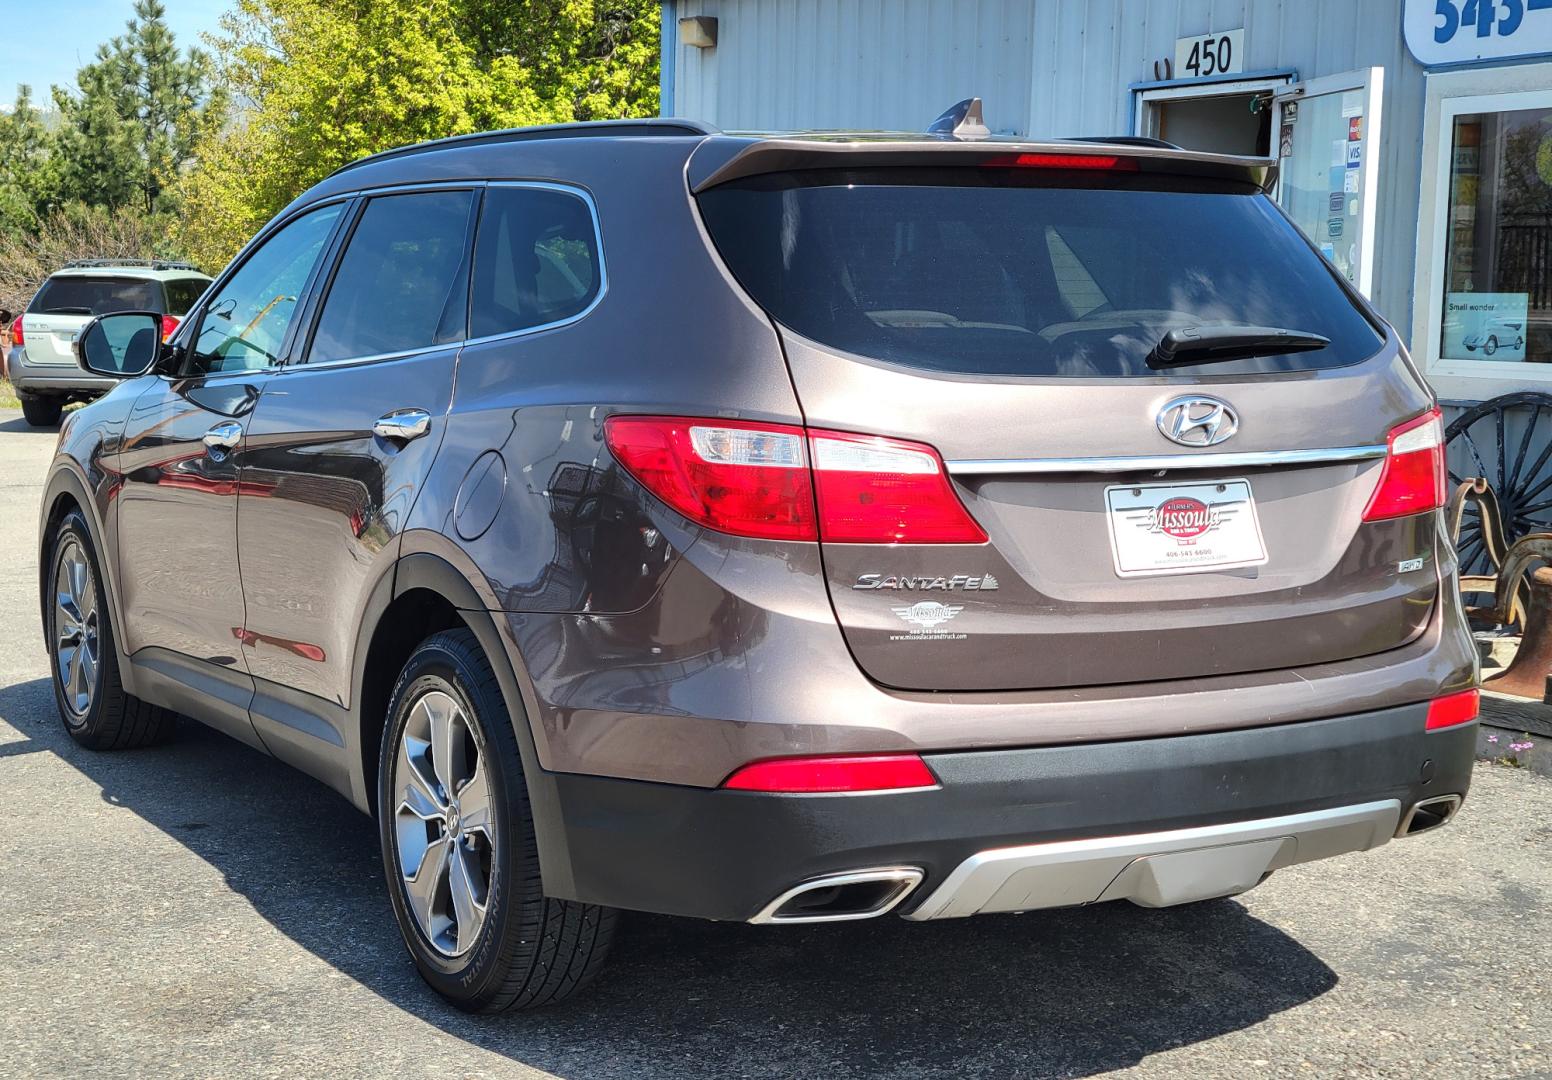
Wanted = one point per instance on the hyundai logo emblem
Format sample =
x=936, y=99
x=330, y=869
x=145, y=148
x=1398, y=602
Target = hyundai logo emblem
x=1197, y=421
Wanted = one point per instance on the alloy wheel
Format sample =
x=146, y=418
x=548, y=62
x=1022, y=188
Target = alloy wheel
x=76, y=624
x=444, y=827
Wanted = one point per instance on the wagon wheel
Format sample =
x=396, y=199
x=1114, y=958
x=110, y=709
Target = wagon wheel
x=1508, y=442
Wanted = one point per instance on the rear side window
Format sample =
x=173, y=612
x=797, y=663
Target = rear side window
x=1005, y=272
x=95, y=296
x=183, y=294
x=535, y=262
x=401, y=283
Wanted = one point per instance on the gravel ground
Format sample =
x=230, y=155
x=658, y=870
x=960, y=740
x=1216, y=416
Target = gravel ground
x=200, y=910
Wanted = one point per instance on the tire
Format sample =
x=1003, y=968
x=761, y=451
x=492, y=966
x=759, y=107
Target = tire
x=41, y=411
x=524, y=950
x=88, y=691
x=1491, y=347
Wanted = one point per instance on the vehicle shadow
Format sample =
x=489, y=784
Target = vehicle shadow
x=1068, y=993
x=19, y=423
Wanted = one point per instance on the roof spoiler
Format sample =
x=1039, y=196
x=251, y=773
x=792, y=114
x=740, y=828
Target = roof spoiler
x=721, y=158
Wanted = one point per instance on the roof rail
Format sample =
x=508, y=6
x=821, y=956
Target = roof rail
x=582, y=130
x=151, y=264
x=1125, y=140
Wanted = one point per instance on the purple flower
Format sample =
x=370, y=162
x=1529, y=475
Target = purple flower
x=1492, y=738
x=1518, y=746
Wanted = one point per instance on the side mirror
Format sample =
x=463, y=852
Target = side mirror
x=122, y=345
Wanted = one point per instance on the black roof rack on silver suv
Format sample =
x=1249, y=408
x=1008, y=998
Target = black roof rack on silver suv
x=148, y=264
x=650, y=126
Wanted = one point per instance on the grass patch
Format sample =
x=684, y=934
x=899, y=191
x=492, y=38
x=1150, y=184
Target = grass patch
x=8, y=396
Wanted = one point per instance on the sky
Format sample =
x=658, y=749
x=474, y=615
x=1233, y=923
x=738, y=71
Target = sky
x=48, y=40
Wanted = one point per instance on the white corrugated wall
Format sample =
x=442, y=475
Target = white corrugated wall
x=1043, y=67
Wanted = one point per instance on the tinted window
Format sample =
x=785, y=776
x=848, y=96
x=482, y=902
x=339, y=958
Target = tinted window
x=183, y=294
x=1002, y=272
x=245, y=323
x=399, y=285
x=536, y=261
x=94, y=296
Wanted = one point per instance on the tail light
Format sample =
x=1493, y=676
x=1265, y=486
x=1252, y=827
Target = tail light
x=761, y=481
x=1453, y=709
x=169, y=324
x=1413, y=478
x=16, y=332
x=814, y=775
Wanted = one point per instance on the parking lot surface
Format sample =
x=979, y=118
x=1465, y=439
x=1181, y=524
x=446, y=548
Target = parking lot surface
x=200, y=910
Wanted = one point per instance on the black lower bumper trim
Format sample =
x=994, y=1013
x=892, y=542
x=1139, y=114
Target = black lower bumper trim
x=725, y=854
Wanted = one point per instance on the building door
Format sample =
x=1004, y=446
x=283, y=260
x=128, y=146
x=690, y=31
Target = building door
x=1223, y=116
x=1328, y=137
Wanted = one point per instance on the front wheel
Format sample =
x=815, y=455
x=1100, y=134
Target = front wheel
x=459, y=848
x=1491, y=347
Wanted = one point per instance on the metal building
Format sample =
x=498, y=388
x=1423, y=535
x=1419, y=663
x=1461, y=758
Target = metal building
x=1415, y=136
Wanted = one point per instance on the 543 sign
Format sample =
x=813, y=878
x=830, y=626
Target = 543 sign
x=1210, y=54
x=1461, y=31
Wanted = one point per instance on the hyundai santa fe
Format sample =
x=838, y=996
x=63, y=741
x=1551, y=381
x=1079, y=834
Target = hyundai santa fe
x=776, y=528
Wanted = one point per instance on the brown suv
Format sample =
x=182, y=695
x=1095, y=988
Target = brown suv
x=776, y=528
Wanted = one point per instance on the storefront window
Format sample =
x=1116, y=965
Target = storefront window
x=1497, y=303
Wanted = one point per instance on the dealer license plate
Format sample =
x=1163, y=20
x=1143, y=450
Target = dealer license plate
x=1183, y=528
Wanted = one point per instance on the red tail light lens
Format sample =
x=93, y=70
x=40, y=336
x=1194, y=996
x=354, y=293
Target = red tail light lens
x=1094, y=162
x=16, y=332
x=1461, y=708
x=814, y=775
x=169, y=324
x=885, y=491
x=745, y=479
x=761, y=481
x=1413, y=478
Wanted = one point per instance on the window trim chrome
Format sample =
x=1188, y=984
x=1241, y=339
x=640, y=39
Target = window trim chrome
x=1160, y=462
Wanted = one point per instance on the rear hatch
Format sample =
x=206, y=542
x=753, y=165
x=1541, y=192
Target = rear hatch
x=68, y=302
x=1002, y=308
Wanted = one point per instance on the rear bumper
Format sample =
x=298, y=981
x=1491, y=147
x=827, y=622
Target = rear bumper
x=33, y=378
x=1291, y=792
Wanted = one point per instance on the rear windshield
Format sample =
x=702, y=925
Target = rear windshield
x=95, y=296
x=1004, y=272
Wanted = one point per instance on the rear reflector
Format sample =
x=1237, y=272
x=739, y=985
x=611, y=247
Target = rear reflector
x=815, y=775
x=1453, y=709
x=1412, y=480
x=761, y=481
x=1092, y=162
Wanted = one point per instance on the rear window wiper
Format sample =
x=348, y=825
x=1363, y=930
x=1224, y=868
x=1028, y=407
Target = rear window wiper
x=1216, y=344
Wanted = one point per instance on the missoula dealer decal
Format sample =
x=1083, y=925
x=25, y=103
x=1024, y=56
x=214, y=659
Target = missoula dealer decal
x=1184, y=518
x=926, y=618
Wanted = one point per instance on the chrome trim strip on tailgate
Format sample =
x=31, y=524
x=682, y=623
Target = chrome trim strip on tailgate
x=1157, y=462
x=1155, y=869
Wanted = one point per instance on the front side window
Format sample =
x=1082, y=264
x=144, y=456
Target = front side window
x=1497, y=302
x=400, y=285
x=536, y=260
x=245, y=323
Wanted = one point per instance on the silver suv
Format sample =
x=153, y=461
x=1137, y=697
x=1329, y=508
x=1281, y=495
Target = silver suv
x=41, y=364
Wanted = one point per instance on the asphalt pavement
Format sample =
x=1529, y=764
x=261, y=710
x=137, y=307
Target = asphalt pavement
x=200, y=910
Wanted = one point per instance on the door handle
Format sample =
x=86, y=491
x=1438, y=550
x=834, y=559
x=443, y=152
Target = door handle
x=223, y=437
x=403, y=425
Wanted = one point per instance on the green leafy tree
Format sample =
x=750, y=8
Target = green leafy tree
x=139, y=108
x=323, y=82
x=29, y=181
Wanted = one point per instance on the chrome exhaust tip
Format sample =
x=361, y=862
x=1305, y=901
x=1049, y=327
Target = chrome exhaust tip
x=1428, y=814
x=860, y=894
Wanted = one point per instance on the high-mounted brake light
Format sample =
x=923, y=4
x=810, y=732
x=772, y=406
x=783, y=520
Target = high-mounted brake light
x=1091, y=162
x=169, y=324
x=815, y=775
x=16, y=332
x=1453, y=709
x=761, y=481
x=1413, y=479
